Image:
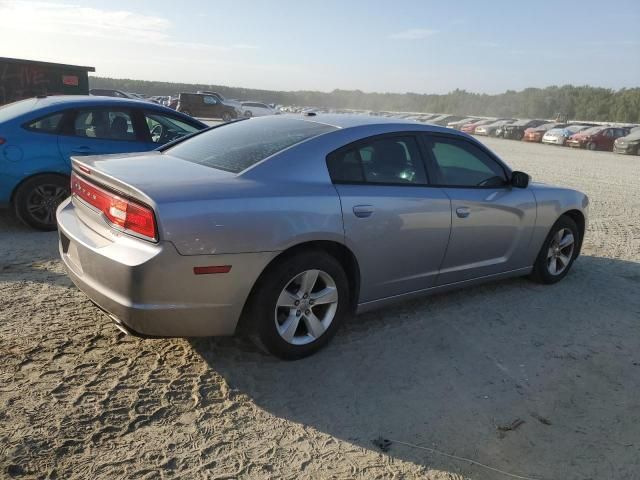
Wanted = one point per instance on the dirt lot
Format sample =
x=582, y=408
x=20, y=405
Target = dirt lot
x=78, y=399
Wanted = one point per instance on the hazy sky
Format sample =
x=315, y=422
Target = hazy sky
x=425, y=46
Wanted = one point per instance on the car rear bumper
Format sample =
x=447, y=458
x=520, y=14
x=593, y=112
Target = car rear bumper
x=150, y=289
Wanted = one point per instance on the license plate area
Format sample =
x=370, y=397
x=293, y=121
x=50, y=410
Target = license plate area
x=70, y=252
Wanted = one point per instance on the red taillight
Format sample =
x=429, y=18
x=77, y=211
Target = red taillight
x=122, y=212
x=2, y=140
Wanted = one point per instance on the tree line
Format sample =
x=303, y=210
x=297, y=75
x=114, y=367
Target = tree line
x=577, y=102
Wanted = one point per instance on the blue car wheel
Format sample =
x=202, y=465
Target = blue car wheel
x=37, y=199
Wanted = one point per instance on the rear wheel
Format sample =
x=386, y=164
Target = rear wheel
x=37, y=199
x=186, y=112
x=248, y=114
x=558, y=252
x=226, y=116
x=299, y=304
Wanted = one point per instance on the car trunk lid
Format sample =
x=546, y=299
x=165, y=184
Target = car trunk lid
x=146, y=180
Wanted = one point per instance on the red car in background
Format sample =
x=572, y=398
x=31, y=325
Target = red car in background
x=597, y=138
x=535, y=134
x=471, y=126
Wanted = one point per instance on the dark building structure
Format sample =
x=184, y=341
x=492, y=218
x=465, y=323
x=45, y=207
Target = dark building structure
x=27, y=78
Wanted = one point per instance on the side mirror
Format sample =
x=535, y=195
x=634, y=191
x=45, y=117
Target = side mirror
x=520, y=179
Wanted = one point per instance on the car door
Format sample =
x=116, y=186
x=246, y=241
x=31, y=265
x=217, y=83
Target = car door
x=604, y=139
x=97, y=131
x=396, y=224
x=492, y=222
x=213, y=106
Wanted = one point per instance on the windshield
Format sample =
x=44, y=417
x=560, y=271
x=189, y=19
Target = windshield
x=577, y=128
x=237, y=146
x=592, y=130
x=634, y=135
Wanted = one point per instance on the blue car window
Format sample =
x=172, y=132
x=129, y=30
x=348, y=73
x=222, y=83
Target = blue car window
x=105, y=125
x=48, y=124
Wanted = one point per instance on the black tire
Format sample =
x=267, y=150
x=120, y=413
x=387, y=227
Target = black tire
x=36, y=200
x=186, y=112
x=248, y=114
x=261, y=314
x=226, y=117
x=592, y=146
x=541, y=270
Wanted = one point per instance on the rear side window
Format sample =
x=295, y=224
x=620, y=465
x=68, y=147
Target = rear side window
x=237, y=146
x=48, y=124
x=386, y=160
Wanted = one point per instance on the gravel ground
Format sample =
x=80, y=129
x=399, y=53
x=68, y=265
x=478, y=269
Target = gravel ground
x=452, y=372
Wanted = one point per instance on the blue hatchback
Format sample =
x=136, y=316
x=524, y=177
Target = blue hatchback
x=39, y=135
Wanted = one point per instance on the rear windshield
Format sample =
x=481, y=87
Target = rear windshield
x=237, y=146
x=15, y=109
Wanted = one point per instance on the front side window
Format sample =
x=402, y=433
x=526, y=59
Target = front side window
x=386, y=160
x=104, y=124
x=208, y=100
x=461, y=164
x=48, y=124
x=165, y=129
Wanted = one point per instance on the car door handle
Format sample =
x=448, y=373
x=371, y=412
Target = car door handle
x=463, y=212
x=363, y=211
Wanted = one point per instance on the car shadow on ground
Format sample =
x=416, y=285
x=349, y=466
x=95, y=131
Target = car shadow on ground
x=29, y=255
x=540, y=381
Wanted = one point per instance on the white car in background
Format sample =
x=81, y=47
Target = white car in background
x=558, y=136
x=256, y=109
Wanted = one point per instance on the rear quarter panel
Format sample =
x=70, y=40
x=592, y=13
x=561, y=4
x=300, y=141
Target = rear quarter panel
x=26, y=154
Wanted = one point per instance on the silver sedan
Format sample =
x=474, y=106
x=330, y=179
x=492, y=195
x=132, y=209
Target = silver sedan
x=283, y=226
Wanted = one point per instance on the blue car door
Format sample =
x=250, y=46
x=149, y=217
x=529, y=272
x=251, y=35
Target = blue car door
x=99, y=130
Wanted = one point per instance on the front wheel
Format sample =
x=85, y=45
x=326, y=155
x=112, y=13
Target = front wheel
x=558, y=252
x=226, y=116
x=299, y=304
x=37, y=199
x=591, y=146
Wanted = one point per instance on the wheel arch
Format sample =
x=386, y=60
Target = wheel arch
x=32, y=176
x=337, y=250
x=578, y=217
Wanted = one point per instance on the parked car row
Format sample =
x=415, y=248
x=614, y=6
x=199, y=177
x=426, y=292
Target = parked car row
x=202, y=104
x=590, y=136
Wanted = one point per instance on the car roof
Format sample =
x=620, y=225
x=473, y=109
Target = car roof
x=83, y=100
x=45, y=105
x=345, y=120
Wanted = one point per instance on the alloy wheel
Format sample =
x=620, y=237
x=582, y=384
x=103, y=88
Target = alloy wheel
x=560, y=251
x=43, y=201
x=306, y=307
